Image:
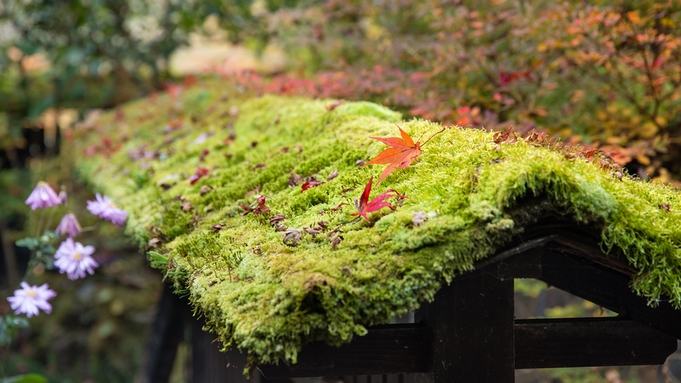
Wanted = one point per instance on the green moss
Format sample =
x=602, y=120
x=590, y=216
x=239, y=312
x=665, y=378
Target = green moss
x=258, y=293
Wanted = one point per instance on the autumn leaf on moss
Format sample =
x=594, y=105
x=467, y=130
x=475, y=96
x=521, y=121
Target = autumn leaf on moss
x=364, y=206
x=403, y=150
x=200, y=172
x=257, y=210
x=508, y=136
x=310, y=184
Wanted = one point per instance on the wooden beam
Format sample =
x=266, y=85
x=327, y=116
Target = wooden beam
x=539, y=343
x=589, y=342
x=384, y=350
x=608, y=289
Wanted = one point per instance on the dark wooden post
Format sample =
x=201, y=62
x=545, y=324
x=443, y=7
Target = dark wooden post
x=167, y=333
x=474, y=313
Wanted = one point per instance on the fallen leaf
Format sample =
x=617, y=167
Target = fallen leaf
x=217, y=227
x=312, y=231
x=508, y=136
x=419, y=218
x=364, y=206
x=200, y=172
x=332, y=232
x=205, y=189
x=336, y=241
x=332, y=175
x=291, y=237
x=402, y=151
x=153, y=243
x=310, y=184
x=337, y=207
x=294, y=180
x=203, y=154
x=277, y=218
x=261, y=208
x=334, y=105
x=323, y=224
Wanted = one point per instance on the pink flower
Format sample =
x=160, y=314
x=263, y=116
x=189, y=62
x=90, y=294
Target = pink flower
x=31, y=298
x=104, y=208
x=74, y=259
x=69, y=226
x=63, y=197
x=42, y=196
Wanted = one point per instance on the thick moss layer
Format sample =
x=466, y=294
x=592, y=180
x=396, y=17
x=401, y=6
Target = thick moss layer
x=260, y=294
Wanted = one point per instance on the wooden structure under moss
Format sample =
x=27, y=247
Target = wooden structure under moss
x=184, y=167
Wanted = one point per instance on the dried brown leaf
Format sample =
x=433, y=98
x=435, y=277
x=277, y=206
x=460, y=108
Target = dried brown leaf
x=291, y=237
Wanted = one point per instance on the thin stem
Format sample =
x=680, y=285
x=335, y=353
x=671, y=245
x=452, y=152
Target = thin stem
x=88, y=228
x=40, y=220
x=31, y=265
x=3, y=365
x=434, y=134
x=49, y=219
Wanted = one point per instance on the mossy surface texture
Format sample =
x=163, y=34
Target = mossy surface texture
x=269, y=297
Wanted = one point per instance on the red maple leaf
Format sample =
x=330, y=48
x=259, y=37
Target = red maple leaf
x=400, y=155
x=364, y=206
x=310, y=184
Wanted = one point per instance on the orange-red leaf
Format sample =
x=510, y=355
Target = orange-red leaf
x=399, y=155
x=364, y=206
x=401, y=152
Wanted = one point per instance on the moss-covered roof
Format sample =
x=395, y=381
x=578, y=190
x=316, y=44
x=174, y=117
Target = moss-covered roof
x=259, y=293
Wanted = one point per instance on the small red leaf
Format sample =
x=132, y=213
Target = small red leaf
x=261, y=204
x=310, y=184
x=200, y=172
x=364, y=206
x=203, y=154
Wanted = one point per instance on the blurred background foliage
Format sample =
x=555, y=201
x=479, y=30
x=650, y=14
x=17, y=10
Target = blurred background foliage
x=603, y=73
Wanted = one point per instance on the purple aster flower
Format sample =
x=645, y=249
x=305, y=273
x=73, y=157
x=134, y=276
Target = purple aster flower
x=42, y=196
x=104, y=208
x=74, y=259
x=69, y=226
x=29, y=299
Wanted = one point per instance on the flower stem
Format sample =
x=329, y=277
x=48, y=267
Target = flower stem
x=40, y=220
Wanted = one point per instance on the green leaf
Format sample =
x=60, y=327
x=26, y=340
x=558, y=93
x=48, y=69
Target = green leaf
x=26, y=378
x=30, y=243
x=47, y=249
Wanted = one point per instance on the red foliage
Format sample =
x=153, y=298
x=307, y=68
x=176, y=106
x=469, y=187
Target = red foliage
x=200, y=172
x=364, y=206
x=310, y=184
